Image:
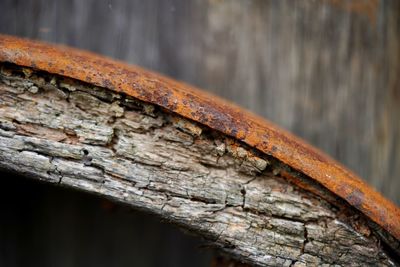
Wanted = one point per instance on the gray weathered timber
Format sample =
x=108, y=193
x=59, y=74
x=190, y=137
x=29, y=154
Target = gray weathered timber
x=327, y=70
x=61, y=131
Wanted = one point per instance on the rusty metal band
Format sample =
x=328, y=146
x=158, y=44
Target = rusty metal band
x=208, y=110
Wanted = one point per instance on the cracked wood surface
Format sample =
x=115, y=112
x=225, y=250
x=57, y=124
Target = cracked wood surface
x=207, y=110
x=62, y=131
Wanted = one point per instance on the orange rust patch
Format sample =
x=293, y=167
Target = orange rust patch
x=208, y=110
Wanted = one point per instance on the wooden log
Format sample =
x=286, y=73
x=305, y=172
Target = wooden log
x=209, y=111
x=325, y=70
x=244, y=202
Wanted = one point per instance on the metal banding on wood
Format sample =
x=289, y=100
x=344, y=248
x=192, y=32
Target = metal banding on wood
x=208, y=110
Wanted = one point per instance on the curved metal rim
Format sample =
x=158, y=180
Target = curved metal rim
x=208, y=110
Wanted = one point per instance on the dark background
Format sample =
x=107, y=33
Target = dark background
x=327, y=70
x=43, y=225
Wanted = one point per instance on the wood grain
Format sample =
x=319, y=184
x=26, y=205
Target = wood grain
x=123, y=149
x=326, y=70
x=321, y=69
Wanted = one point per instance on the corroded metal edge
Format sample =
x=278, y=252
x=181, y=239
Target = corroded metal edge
x=208, y=110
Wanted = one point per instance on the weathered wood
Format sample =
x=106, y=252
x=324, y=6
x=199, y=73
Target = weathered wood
x=325, y=70
x=66, y=132
x=209, y=111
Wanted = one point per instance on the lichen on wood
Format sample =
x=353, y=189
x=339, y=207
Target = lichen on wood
x=78, y=135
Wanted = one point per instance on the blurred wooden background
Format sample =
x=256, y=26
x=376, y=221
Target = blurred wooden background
x=327, y=70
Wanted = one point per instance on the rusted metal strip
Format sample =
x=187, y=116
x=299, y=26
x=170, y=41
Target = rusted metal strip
x=209, y=110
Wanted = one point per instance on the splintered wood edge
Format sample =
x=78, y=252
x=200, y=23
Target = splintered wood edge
x=76, y=134
x=207, y=110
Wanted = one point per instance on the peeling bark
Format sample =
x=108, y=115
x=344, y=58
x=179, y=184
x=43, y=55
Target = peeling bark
x=63, y=131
